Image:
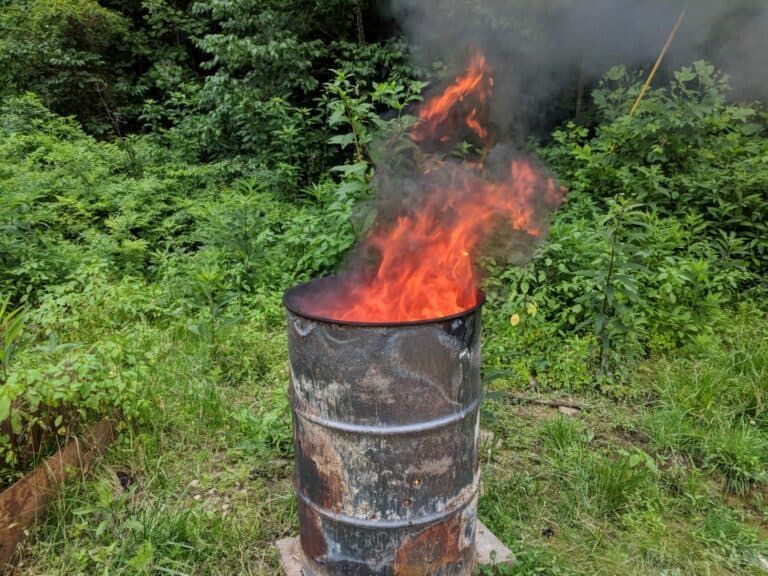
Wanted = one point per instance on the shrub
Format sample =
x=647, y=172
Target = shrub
x=66, y=52
x=665, y=226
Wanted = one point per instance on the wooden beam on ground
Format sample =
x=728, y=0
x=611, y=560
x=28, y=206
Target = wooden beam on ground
x=26, y=501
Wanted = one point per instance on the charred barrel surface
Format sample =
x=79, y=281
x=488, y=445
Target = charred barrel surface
x=386, y=424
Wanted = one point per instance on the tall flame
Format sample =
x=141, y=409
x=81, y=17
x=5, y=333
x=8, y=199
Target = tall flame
x=426, y=257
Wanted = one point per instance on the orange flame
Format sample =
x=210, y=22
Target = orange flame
x=473, y=123
x=426, y=257
x=476, y=84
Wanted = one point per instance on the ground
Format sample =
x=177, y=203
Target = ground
x=659, y=482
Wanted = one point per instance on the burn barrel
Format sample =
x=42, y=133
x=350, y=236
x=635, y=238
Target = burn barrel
x=386, y=427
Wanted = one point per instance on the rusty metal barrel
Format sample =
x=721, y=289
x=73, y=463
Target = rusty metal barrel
x=386, y=428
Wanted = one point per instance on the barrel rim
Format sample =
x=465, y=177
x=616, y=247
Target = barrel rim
x=292, y=305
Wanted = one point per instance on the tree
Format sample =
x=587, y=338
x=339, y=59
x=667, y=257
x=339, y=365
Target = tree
x=73, y=53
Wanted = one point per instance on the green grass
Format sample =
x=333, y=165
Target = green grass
x=669, y=483
x=672, y=482
x=209, y=483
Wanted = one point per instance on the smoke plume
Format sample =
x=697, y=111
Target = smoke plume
x=545, y=48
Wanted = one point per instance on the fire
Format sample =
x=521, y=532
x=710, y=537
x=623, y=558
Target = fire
x=426, y=258
x=475, y=86
x=473, y=123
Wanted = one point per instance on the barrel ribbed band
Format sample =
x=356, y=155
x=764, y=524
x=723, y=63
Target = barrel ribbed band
x=373, y=524
x=369, y=430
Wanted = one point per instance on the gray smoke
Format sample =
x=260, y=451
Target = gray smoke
x=543, y=48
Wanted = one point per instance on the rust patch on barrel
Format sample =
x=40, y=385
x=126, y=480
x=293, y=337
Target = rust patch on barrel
x=431, y=550
x=322, y=479
x=311, y=533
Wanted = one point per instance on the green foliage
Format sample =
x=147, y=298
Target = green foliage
x=72, y=200
x=687, y=146
x=65, y=192
x=83, y=356
x=103, y=236
x=230, y=78
x=613, y=288
x=264, y=73
x=352, y=108
x=11, y=324
x=663, y=230
x=71, y=53
x=58, y=391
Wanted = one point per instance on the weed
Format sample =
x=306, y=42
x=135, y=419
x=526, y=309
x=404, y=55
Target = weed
x=563, y=433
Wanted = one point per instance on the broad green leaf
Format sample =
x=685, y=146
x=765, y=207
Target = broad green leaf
x=5, y=408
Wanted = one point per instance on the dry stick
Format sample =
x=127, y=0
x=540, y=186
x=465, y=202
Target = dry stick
x=659, y=61
x=579, y=94
x=360, y=25
x=541, y=402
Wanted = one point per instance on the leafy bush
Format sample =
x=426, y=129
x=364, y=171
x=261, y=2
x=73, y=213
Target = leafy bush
x=264, y=71
x=66, y=192
x=687, y=147
x=624, y=260
x=72, y=54
x=57, y=393
x=101, y=237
